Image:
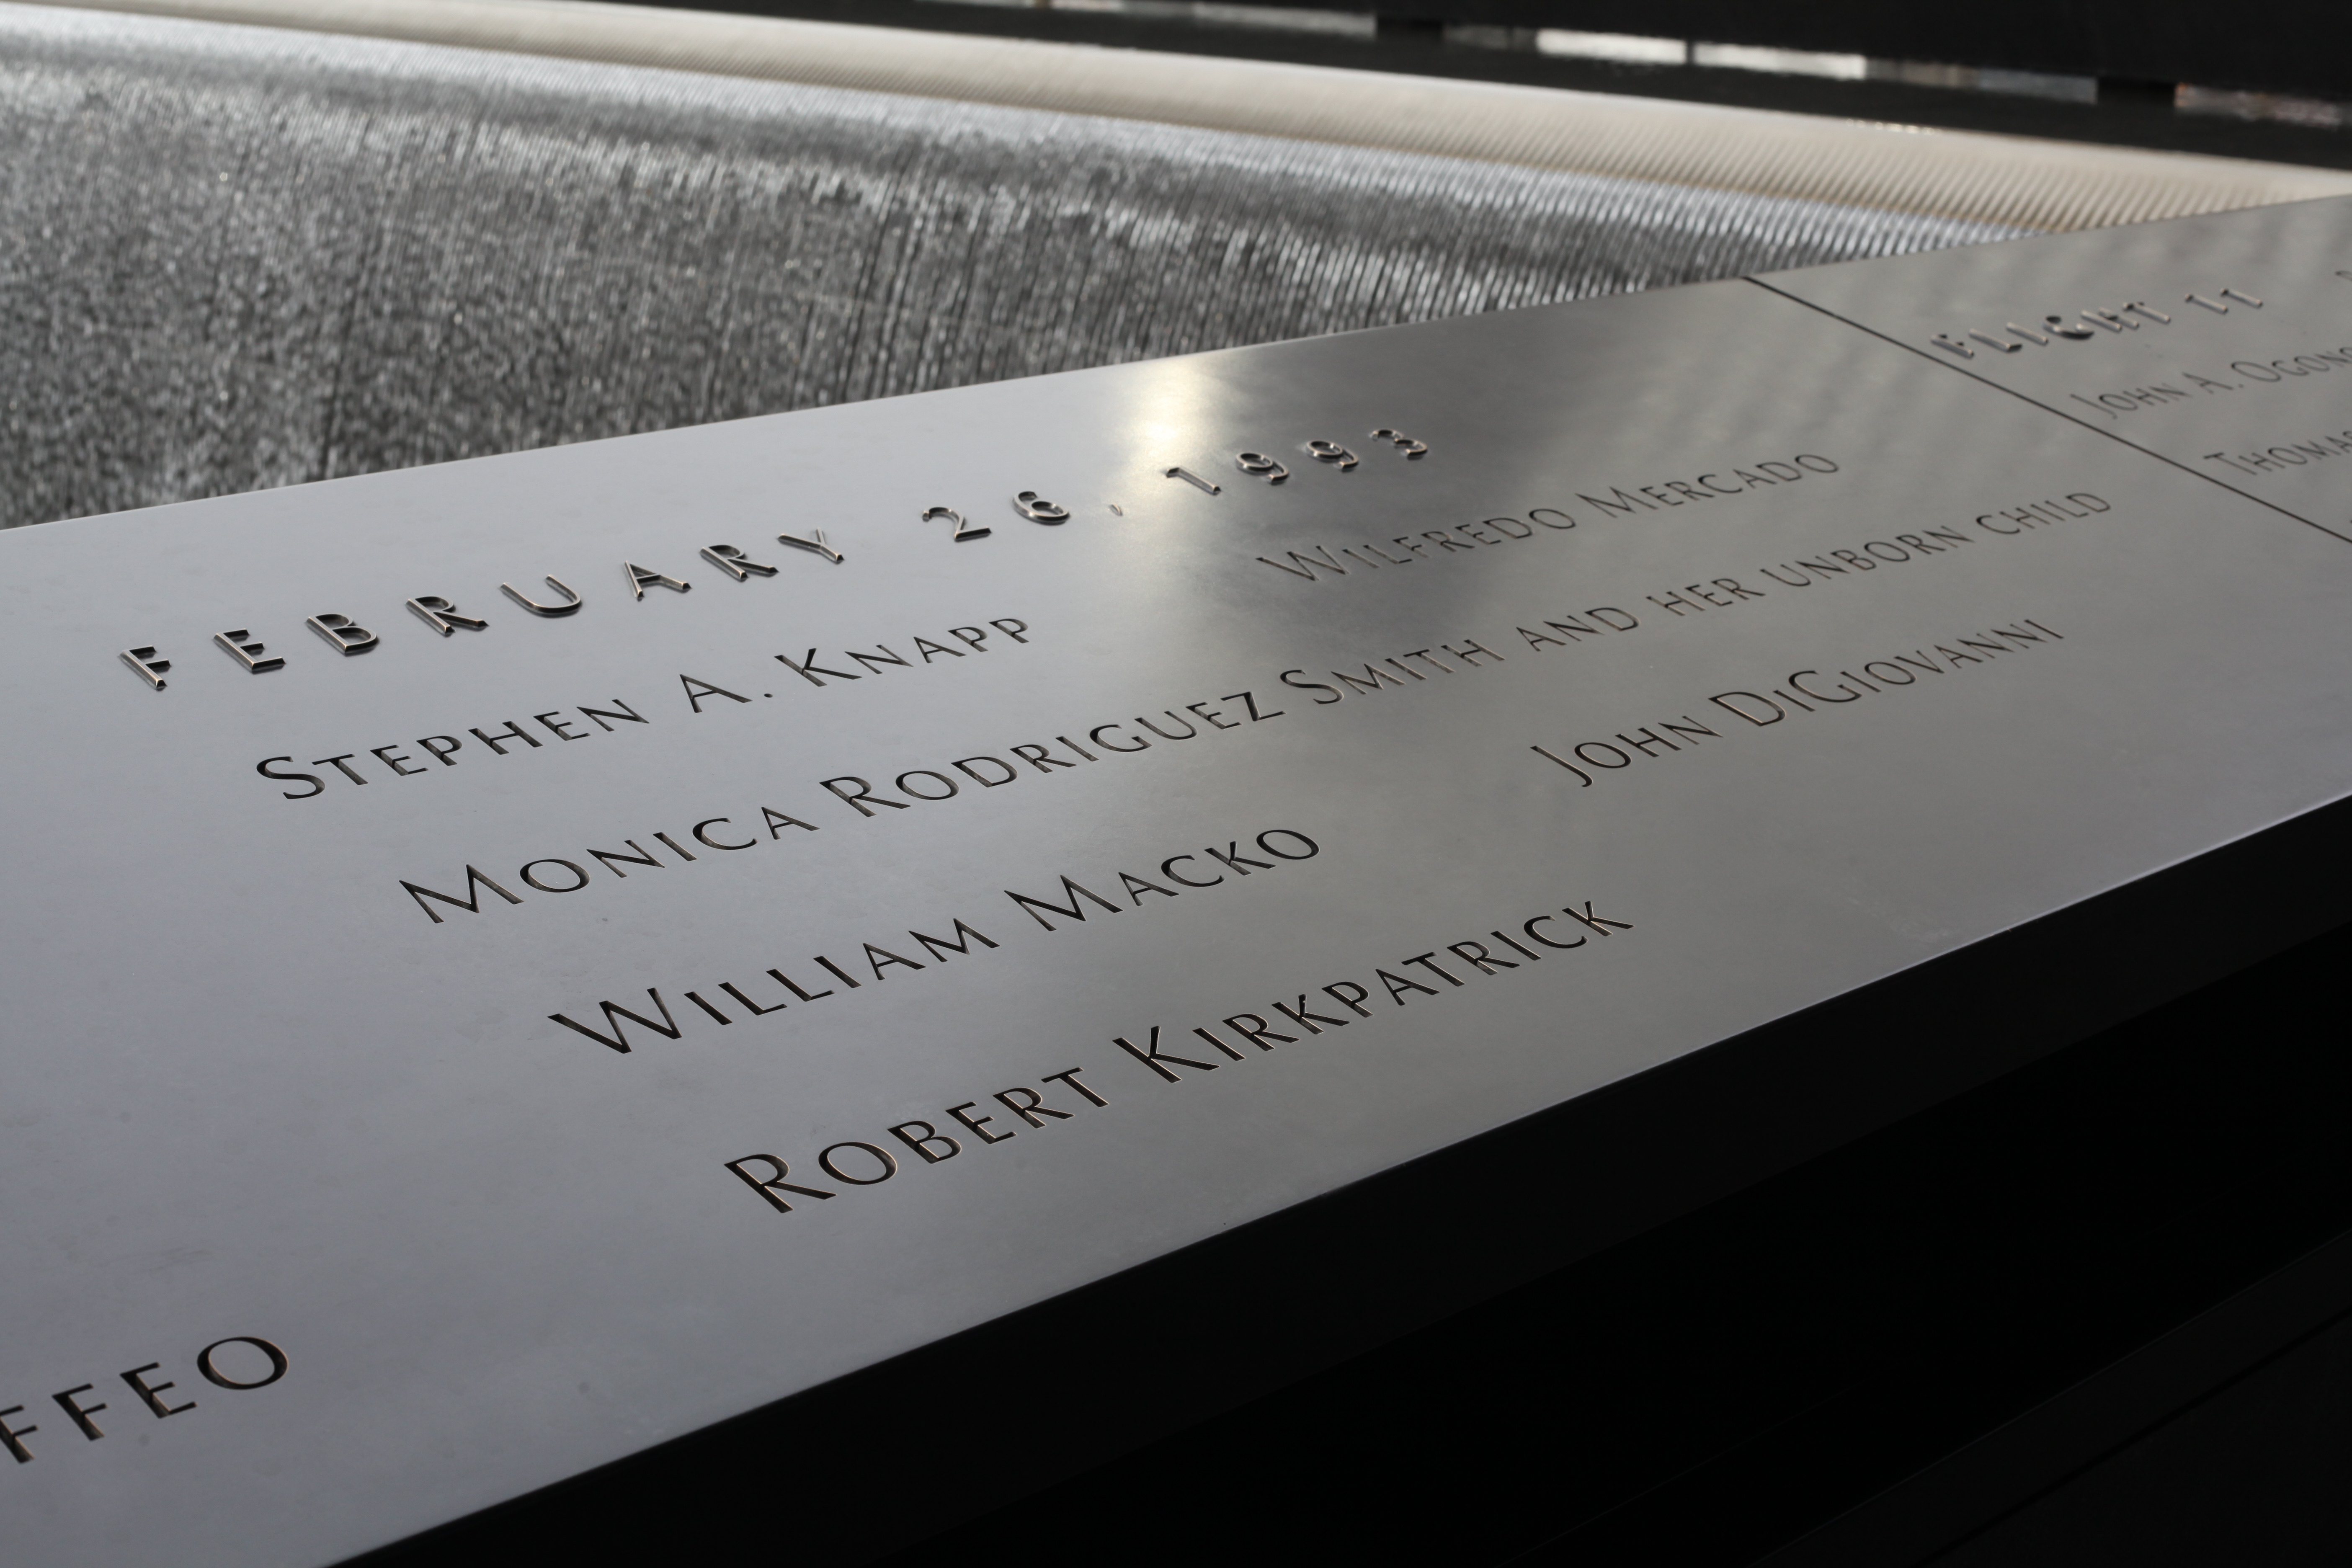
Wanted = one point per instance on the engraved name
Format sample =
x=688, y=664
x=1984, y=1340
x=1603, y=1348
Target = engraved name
x=2293, y=455
x=1326, y=1007
x=509, y=736
x=1803, y=692
x=1465, y=538
x=2164, y=395
x=241, y=1363
x=1207, y=867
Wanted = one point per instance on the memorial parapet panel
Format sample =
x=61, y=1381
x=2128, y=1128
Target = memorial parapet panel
x=696, y=915
x=2223, y=344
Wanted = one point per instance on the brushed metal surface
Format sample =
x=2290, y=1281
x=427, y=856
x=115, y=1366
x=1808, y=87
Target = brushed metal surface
x=2257, y=397
x=251, y=1089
